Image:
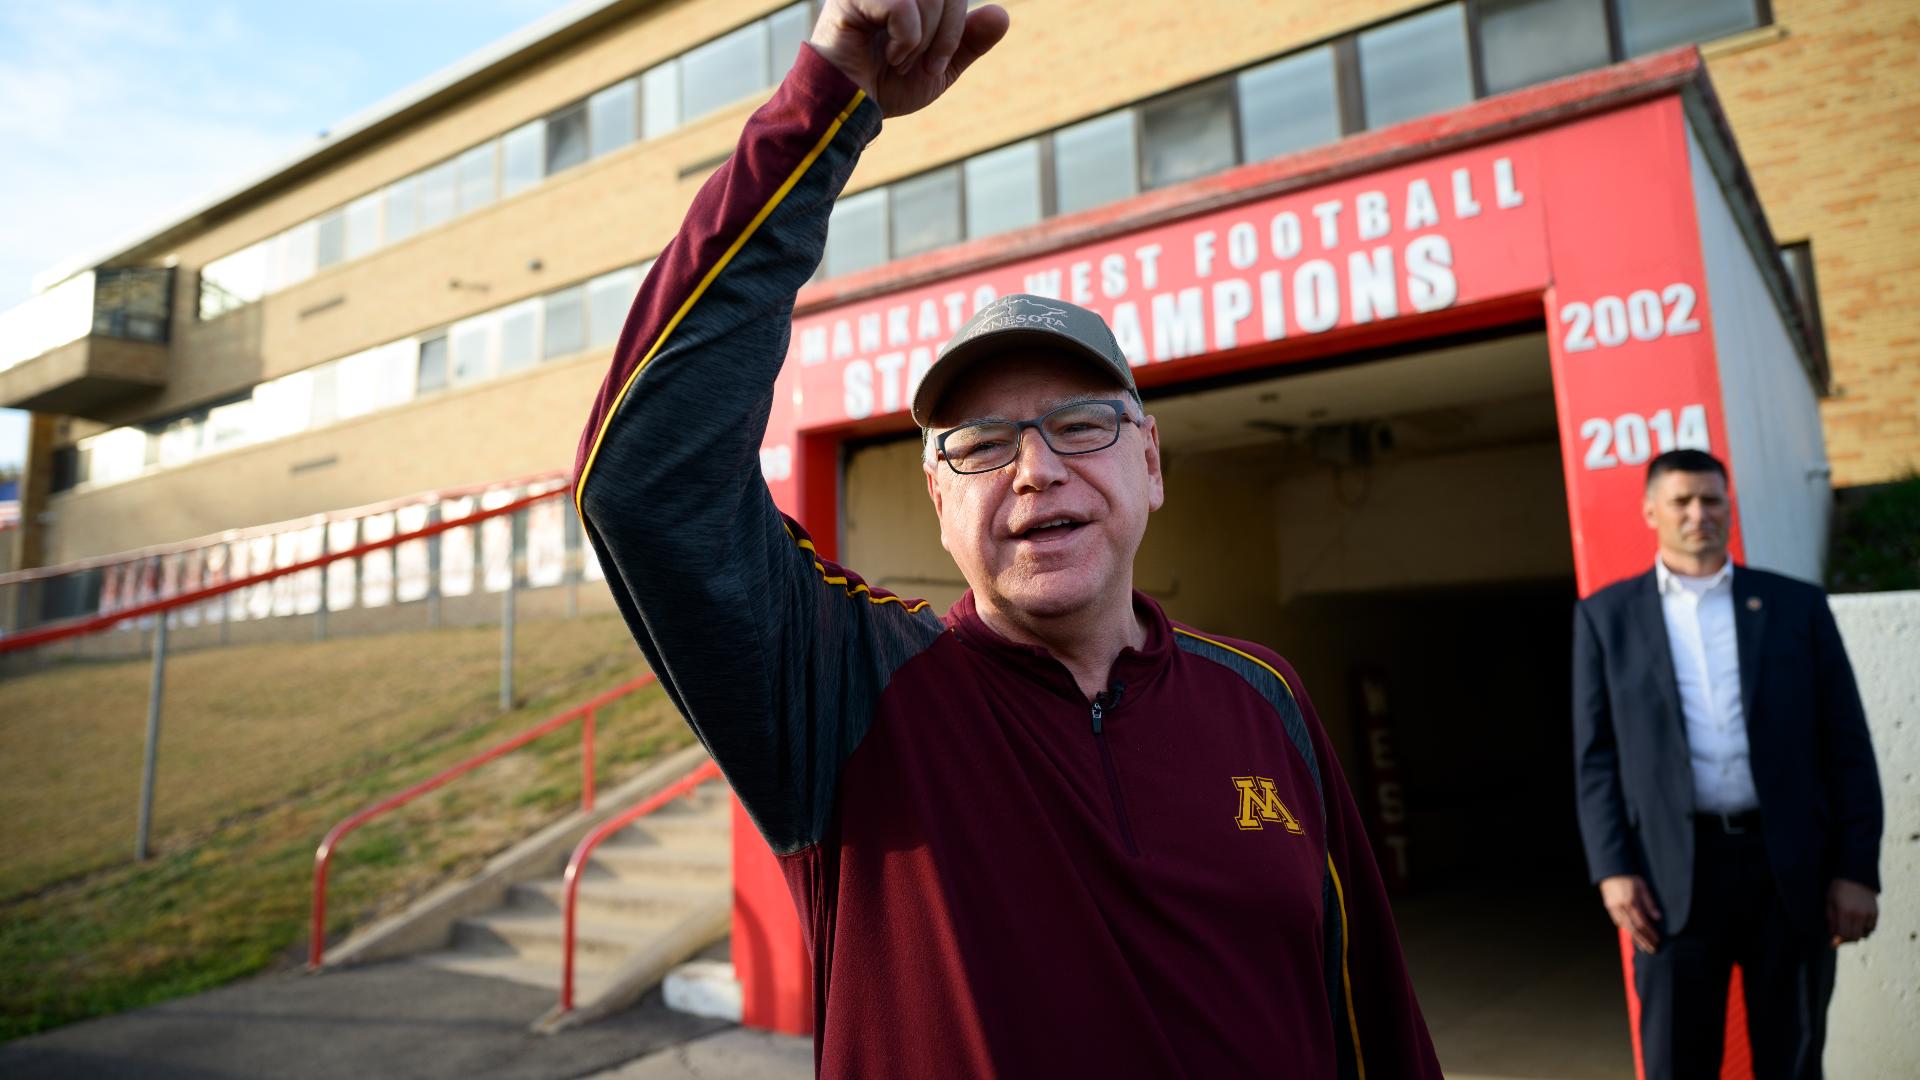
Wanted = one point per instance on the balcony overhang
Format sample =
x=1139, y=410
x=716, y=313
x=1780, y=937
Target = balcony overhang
x=91, y=377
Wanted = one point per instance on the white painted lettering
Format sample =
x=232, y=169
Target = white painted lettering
x=1232, y=302
x=1179, y=324
x=1370, y=215
x=956, y=310
x=842, y=339
x=1203, y=253
x=1243, y=245
x=856, y=385
x=1372, y=291
x=1284, y=235
x=1430, y=282
x=1080, y=275
x=1126, y=331
x=1422, y=211
x=900, y=325
x=1113, y=276
x=1148, y=256
x=870, y=332
x=813, y=345
x=1316, y=296
x=928, y=325
x=1329, y=214
x=889, y=365
x=1044, y=283
x=919, y=362
x=1505, y=195
x=1464, y=205
x=1273, y=309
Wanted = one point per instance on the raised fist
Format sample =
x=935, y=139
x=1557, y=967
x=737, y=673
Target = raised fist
x=905, y=53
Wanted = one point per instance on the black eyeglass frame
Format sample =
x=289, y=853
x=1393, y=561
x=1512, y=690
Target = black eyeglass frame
x=1118, y=406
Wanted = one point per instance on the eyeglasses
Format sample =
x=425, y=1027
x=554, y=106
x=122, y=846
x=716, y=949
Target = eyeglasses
x=1084, y=427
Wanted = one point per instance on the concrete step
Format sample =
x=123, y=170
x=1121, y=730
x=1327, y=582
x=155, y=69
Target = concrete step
x=540, y=935
x=691, y=830
x=681, y=866
x=620, y=898
x=590, y=980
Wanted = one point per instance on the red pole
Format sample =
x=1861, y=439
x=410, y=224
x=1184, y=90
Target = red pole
x=586, y=762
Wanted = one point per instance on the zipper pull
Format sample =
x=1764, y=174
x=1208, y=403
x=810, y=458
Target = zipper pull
x=1104, y=700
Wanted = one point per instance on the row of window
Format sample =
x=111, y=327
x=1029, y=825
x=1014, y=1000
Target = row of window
x=1422, y=63
x=561, y=323
x=725, y=70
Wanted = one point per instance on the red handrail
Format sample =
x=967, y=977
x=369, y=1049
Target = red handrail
x=88, y=624
x=316, y=947
x=684, y=786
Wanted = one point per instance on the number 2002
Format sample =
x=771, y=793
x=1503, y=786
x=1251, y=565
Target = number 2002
x=1643, y=316
x=1631, y=439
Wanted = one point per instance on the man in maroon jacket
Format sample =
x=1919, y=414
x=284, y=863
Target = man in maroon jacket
x=1052, y=832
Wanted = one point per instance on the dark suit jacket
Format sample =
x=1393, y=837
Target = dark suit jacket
x=1813, y=763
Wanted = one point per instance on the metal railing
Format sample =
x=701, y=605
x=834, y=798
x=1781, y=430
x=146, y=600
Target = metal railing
x=323, y=856
x=584, y=851
x=85, y=625
x=57, y=595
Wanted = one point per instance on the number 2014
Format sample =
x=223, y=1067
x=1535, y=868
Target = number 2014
x=1631, y=439
x=1643, y=316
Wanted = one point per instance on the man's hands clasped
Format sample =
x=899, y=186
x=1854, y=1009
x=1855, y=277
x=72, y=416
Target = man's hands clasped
x=905, y=53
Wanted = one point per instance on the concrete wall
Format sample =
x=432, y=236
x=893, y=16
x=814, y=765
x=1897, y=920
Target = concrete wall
x=1874, y=1026
x=1773, y=418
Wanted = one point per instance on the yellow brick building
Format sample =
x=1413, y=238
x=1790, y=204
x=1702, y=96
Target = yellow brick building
x=551, y=161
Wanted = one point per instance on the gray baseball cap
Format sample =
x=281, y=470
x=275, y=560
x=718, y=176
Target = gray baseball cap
x=1022, y=321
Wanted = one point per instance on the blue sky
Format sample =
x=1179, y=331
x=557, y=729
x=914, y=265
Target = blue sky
x=117, y=115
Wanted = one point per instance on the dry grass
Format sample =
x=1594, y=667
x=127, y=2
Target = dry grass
x=262, y=749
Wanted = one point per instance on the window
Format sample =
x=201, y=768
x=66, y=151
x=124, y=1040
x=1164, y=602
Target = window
x=330, y=245
x=438, y=194
x=613, y=116
x=660, y=99
x=1188, y=134
x=1094, y=162
x=278, y=407
x=926, y=212
x=609, y=297
x=1651, y=25
x=475, y=170
x=724, y=70
x=565, y=322
x=1798, y=259
x=523, y=152
x=363, y=225
x=403, y=209
x=1288, y=105
x=298, y=252
x=227, y=283
x=787, y=29
x=1523, y=42
x=326, y=396
x=1415, y=66
x=357, y=385
x=566, y=139
x=857, y=233
x=471, y=345
x=433, y=365
x=519, y=335
x=1003, y=189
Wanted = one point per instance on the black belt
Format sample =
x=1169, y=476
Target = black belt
x=1731, y=824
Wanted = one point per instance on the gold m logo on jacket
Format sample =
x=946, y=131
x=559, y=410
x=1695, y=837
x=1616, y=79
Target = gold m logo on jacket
x=1260, y=803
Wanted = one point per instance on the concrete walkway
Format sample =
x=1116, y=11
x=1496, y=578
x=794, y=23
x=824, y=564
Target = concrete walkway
x=399, y=1019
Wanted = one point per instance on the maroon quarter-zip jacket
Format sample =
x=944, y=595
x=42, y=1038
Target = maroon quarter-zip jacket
x=997, y=876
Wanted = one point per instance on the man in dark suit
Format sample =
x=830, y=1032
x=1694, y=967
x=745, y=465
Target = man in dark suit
x=1728, y=796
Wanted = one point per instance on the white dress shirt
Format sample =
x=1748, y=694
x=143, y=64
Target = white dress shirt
x=1706, y=665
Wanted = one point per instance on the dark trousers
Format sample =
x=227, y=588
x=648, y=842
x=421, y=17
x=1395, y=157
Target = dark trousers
x=1737, y=918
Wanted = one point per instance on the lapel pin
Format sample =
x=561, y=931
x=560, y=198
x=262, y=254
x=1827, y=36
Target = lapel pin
x=1753, y=603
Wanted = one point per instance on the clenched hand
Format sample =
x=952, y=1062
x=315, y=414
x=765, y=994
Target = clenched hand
x=1630, y=903
x=905, y=53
